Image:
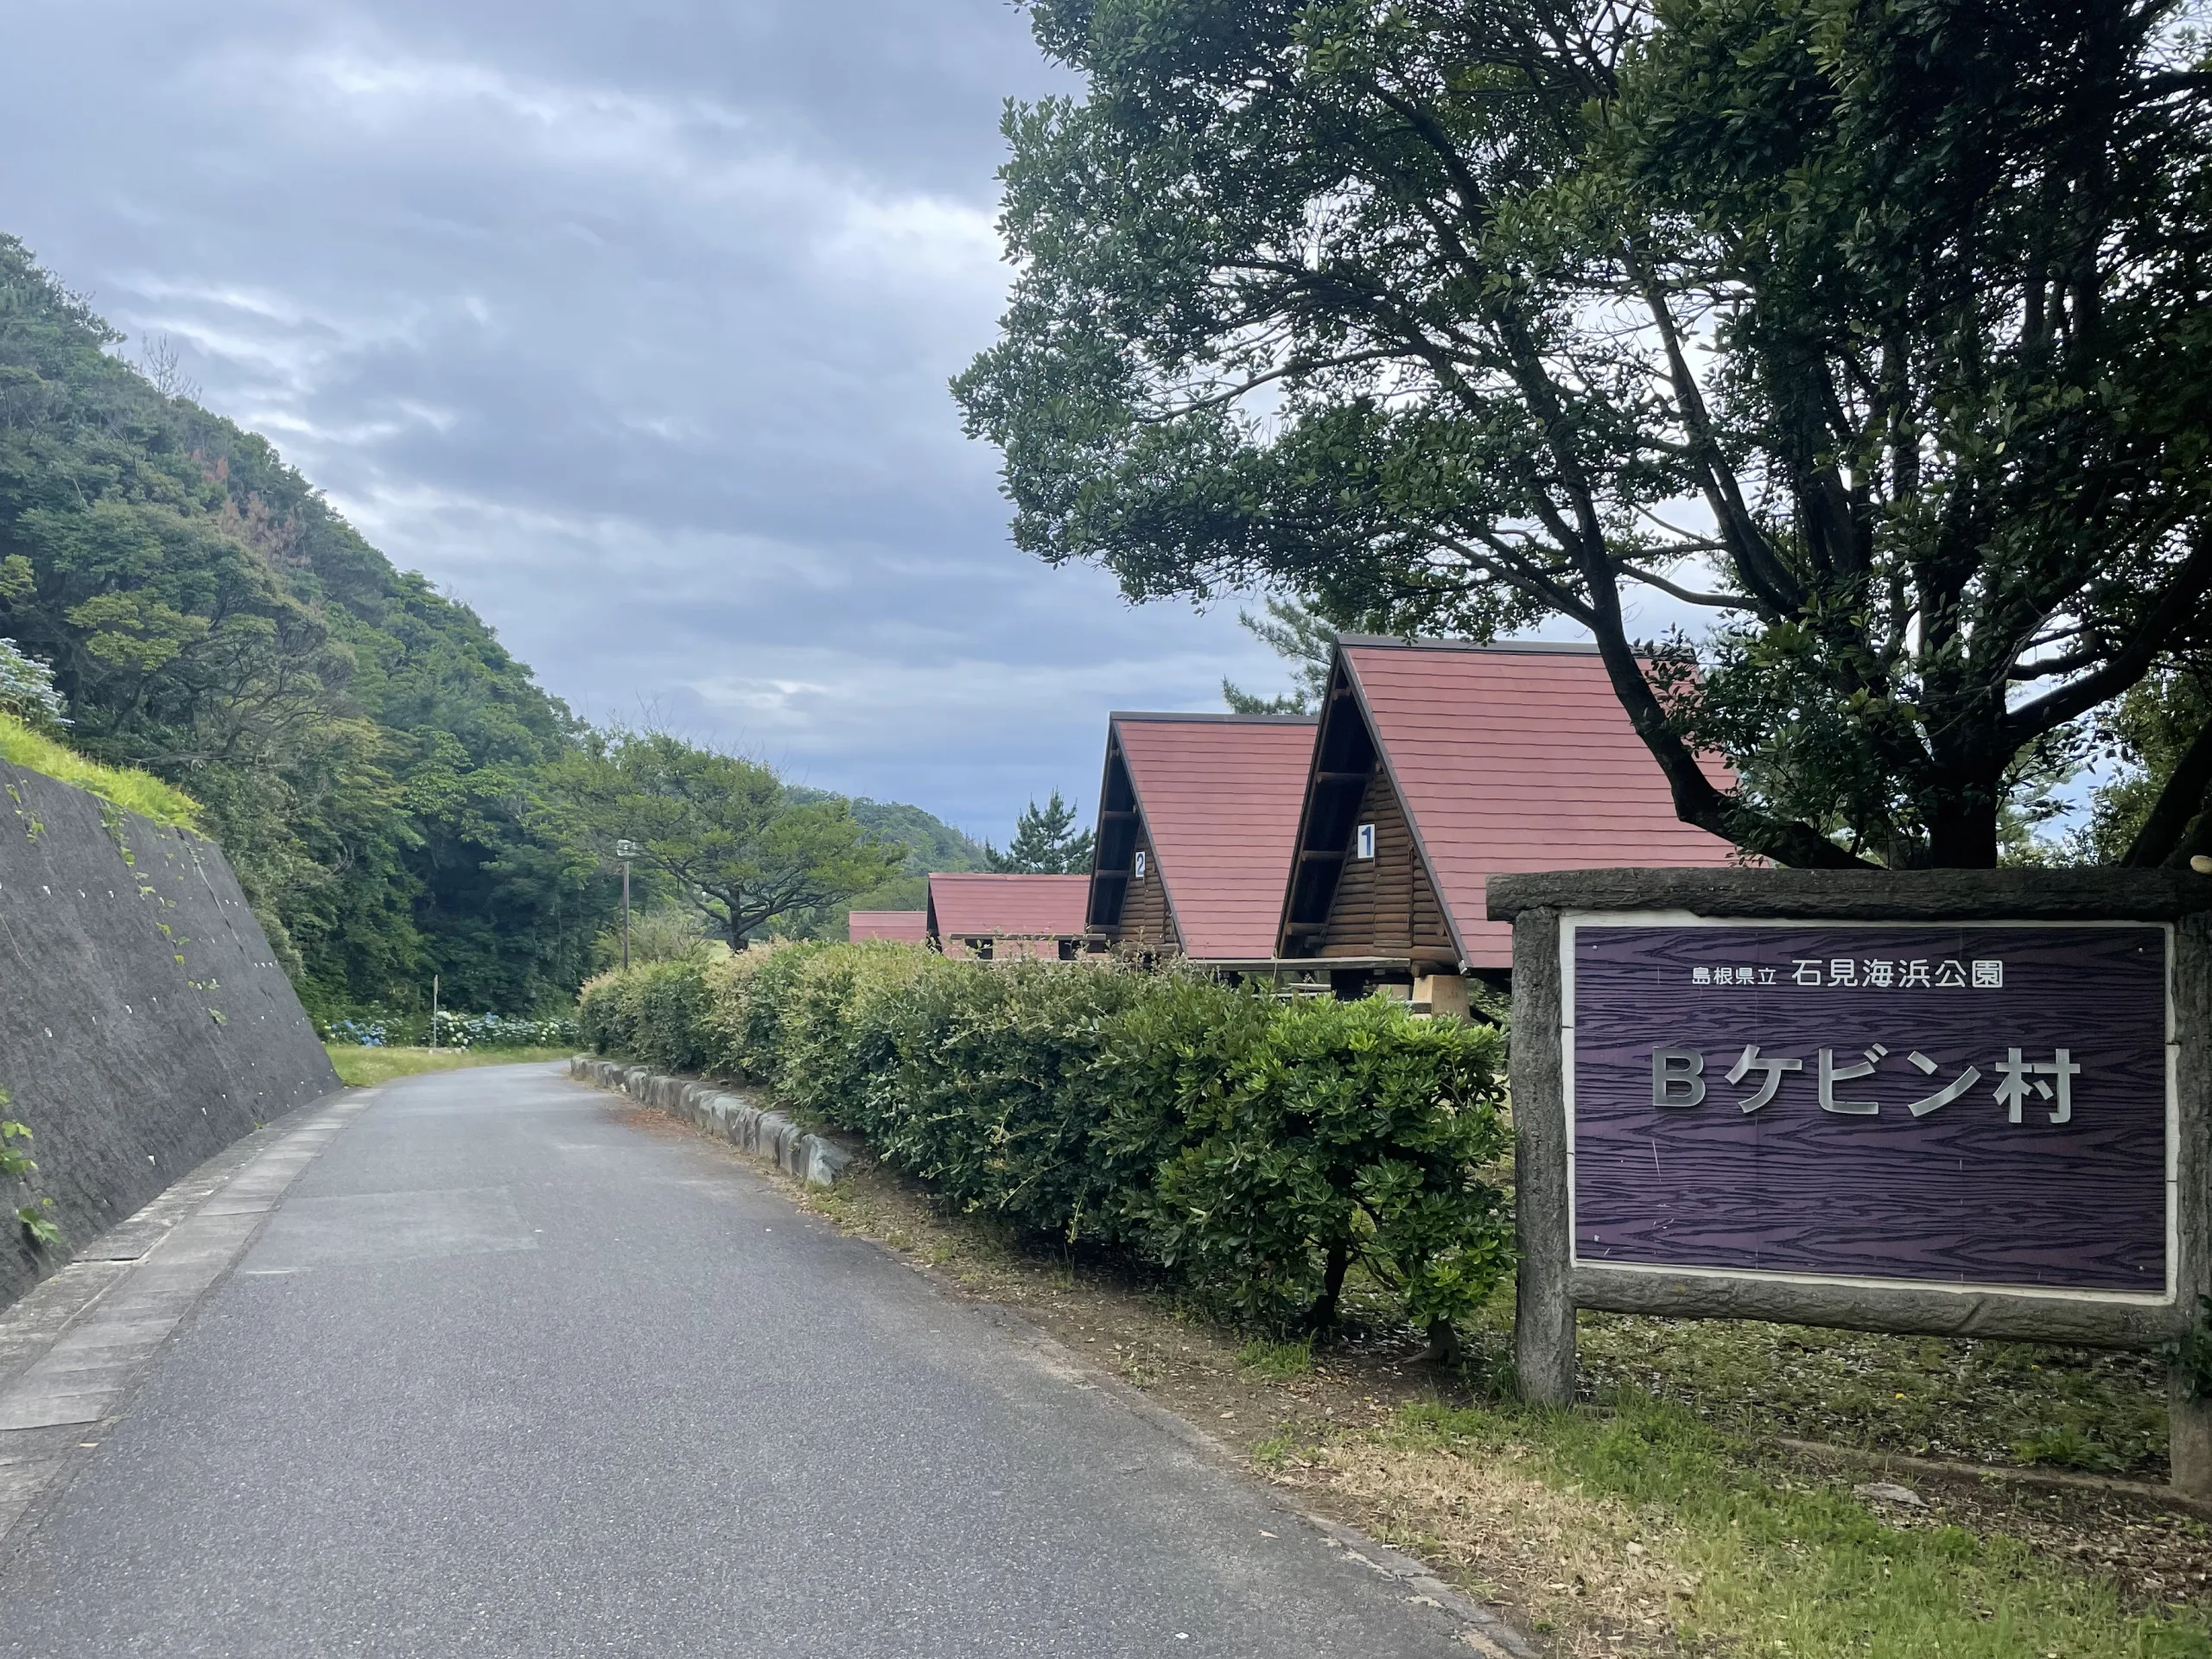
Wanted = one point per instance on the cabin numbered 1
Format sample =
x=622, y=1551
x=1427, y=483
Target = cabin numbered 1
x=1439, y=764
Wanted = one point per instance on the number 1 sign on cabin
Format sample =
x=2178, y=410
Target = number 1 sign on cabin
x=1963, y=1105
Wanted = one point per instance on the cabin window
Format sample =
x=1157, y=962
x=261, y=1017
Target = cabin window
x=1140, y=870
x=980, y=949
x=1363, y=842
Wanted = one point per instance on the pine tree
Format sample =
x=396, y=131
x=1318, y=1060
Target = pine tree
x=1046, y=842
x=1301, y=637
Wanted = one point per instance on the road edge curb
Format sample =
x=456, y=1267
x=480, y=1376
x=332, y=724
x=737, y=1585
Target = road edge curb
x=713, y=1110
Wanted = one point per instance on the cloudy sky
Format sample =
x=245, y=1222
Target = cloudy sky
x=629, y=325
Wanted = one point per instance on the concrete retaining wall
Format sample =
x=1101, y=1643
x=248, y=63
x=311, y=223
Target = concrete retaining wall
x=713, y=1110
x=144, y=1023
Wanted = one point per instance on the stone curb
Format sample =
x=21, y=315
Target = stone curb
x=730, y=1117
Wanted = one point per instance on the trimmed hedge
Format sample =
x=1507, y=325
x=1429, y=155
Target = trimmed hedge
x=655, y=1014
x=1260, y=1149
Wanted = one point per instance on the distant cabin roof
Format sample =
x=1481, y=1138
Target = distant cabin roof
x=1220, y=795
x=971, y=905
x=1516, y=757
x=908, y=926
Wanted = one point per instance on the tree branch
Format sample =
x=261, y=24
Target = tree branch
x=1718, y=602
x=2181, y=799
x=2184, y=595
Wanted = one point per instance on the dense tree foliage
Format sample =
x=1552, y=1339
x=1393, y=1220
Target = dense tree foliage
x=1878, y=331
x=363, y=747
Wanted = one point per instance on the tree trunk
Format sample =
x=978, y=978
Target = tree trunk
x=2161, y=839
x=1962, y=832
x=1323, y=1314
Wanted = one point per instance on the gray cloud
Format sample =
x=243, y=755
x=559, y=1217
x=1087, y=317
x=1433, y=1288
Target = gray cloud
x=629, y=325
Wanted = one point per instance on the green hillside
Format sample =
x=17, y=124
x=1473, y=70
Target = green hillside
x=930, y=844
x=364, y=749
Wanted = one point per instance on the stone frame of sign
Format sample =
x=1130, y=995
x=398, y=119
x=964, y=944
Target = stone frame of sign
x=1551, y=908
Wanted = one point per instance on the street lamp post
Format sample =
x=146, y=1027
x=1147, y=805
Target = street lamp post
x=626, y=851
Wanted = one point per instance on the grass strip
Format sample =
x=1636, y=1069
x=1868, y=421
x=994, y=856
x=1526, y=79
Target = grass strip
x=1700, y=1533
x=135, y=792
x=358, y=1066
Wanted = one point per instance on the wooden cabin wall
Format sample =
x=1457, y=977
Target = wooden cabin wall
x=1386, y=906
x=1145, y=916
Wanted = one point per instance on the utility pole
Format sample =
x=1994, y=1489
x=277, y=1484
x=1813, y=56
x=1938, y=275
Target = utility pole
x=434, y=1013
x=626, y=851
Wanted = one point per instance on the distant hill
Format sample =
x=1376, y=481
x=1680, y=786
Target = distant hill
x=932, y=844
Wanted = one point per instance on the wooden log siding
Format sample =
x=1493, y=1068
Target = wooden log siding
x=1386, y=906
x=1145, y=919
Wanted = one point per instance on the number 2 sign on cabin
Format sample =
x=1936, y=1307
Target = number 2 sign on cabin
x=1975, y=1105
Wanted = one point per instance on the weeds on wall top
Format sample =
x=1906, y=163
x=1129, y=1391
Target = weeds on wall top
x=133, y=790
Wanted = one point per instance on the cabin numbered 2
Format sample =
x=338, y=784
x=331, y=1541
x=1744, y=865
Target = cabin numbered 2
x=1195, y=822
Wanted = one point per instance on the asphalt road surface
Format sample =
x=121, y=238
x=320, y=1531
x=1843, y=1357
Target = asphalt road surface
x=504, y=1372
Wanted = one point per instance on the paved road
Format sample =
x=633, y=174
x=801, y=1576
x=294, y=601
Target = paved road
x=503, y=1373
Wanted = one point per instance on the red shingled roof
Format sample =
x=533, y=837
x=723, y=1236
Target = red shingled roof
x=907, y=926
x=969, y=906
x=1220, y=796
x=1512, y=759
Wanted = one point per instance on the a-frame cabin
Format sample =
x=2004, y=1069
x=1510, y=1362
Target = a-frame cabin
x=1439, y=764
x=990, y=917
x=1197, y=814
x=904, y=926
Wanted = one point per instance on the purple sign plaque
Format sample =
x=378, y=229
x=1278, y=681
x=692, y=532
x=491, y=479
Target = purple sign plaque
x=1980, y=1104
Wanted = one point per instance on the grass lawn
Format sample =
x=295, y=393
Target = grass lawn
x=358, y=1066
x=2100, y=1413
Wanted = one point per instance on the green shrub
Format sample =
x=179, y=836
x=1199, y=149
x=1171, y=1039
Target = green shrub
x=743, y=1027
x=837, y=1043
x=1350, y=1133
x=1260, y=1149
x=998, y=1099
x=655, y=1014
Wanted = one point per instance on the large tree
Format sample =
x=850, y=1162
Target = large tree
x=713, y=831
x=1877, y=333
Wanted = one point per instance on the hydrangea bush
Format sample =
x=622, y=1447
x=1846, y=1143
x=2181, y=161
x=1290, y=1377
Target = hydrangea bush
x=27, y=689
x=455, y=1031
